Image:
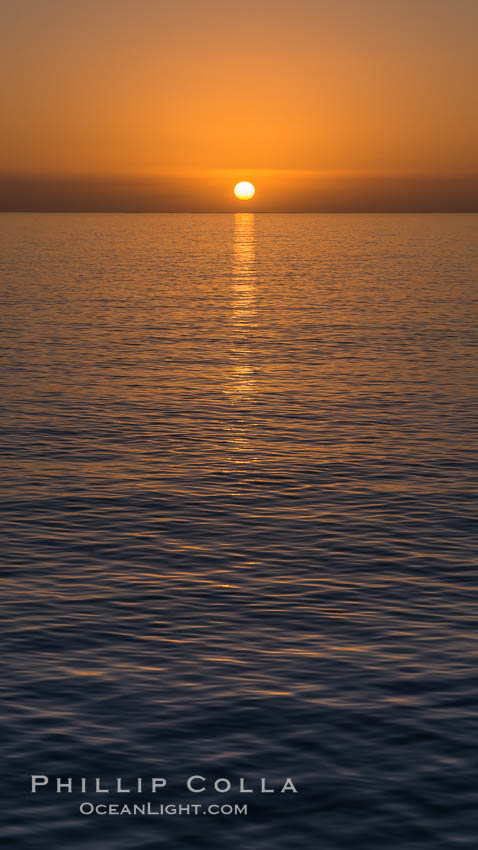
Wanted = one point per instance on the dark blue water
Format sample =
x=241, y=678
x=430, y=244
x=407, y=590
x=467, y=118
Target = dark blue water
x=239, y=483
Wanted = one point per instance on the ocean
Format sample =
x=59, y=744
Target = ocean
x=239, y=477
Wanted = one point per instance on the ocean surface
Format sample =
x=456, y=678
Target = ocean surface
x=239, y=476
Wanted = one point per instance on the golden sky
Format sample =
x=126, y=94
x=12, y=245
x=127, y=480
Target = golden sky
x=194, y=92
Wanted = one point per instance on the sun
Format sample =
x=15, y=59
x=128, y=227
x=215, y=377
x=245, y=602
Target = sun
x=244, y=190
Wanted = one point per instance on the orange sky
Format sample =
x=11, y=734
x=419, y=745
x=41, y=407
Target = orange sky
x=209, y=90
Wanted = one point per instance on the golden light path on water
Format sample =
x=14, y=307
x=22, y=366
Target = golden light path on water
x=241, y=385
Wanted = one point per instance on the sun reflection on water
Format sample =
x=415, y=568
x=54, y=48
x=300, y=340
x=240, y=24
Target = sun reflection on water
x=244, y=289
x=241, y=382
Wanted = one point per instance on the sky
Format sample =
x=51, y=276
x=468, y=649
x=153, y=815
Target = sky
x=324, y=104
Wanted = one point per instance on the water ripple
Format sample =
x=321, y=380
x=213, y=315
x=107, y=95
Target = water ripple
x=239, y=512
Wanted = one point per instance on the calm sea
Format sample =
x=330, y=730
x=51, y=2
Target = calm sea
x=239, y=483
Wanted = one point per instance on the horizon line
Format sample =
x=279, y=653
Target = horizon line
x=241, y=212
